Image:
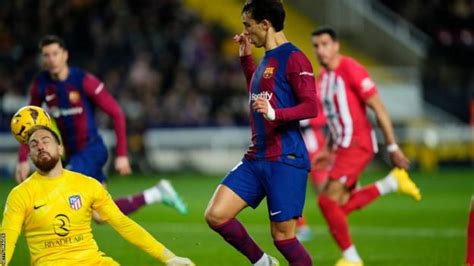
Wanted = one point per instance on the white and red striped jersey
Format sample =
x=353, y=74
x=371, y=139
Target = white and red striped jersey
x=343, y=93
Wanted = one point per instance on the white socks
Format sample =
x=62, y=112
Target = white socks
x=351, y=254
x=263, y=261
x=387, y=185
x=152, y=195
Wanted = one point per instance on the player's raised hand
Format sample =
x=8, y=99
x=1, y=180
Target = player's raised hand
x=22, y=171
x=122, y=165
x=245, y=45
x=399, y=159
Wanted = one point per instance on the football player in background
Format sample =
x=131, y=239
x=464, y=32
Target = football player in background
x=54, y=207
x=346, y=90
x=71, y=95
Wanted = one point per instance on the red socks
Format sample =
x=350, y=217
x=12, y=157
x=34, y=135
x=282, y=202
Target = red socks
x=336, y=216
x=336, y=220
x=361, y=198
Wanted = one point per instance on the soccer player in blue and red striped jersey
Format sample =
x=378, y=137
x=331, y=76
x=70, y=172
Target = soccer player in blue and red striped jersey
x=71, y=96
x=281, y=92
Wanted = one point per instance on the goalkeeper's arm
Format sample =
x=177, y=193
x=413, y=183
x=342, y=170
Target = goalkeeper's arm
x=131, y=231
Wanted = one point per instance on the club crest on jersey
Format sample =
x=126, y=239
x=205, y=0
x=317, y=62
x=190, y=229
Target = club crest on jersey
x=74, y=96
x=268, y=73
x=75, y=202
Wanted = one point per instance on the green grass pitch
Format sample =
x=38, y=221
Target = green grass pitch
x=392, y=231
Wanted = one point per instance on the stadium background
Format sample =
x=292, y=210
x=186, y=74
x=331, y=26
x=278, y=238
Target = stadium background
x=173, y=68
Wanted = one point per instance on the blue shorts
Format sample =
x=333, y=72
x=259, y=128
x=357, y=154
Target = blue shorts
x=283, y=185
x=90, y=160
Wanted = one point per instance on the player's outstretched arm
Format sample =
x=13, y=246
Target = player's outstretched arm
x=396, y=155
x=97, y=92
x=131, y=231
x=139, y=237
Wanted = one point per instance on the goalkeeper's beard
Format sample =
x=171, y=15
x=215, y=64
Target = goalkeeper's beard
x=46, y=164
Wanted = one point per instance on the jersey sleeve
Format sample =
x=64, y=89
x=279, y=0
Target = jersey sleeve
x=125, y=226
x=361, y=82
x=248, y=67
x=299, y=74
x=13, y=217
x=97, y=92
x=35, y=99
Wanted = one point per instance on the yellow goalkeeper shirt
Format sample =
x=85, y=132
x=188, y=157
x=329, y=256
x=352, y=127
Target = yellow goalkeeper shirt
x=55, y=215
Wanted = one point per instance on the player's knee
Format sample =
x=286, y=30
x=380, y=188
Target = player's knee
x=279, y=235
x=214, y=217
x=282, y=231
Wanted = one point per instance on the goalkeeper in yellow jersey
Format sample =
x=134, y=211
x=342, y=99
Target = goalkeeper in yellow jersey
x=54, y=209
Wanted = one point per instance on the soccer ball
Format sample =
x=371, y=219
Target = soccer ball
x=26, y=118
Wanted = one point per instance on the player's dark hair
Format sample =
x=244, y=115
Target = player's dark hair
x=36, y=128
x=51, y=39
x=326, y=30
x=271, y=10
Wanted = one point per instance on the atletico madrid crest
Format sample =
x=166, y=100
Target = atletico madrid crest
x=75, y=202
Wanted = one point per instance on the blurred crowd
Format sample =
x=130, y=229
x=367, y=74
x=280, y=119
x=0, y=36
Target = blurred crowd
x=448, y=70
x=164, y=64
x=449, y=23
x=436, y=16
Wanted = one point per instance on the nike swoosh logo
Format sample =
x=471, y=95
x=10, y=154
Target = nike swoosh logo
x=50, y=97
x=274, y=213
x=37, y=207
